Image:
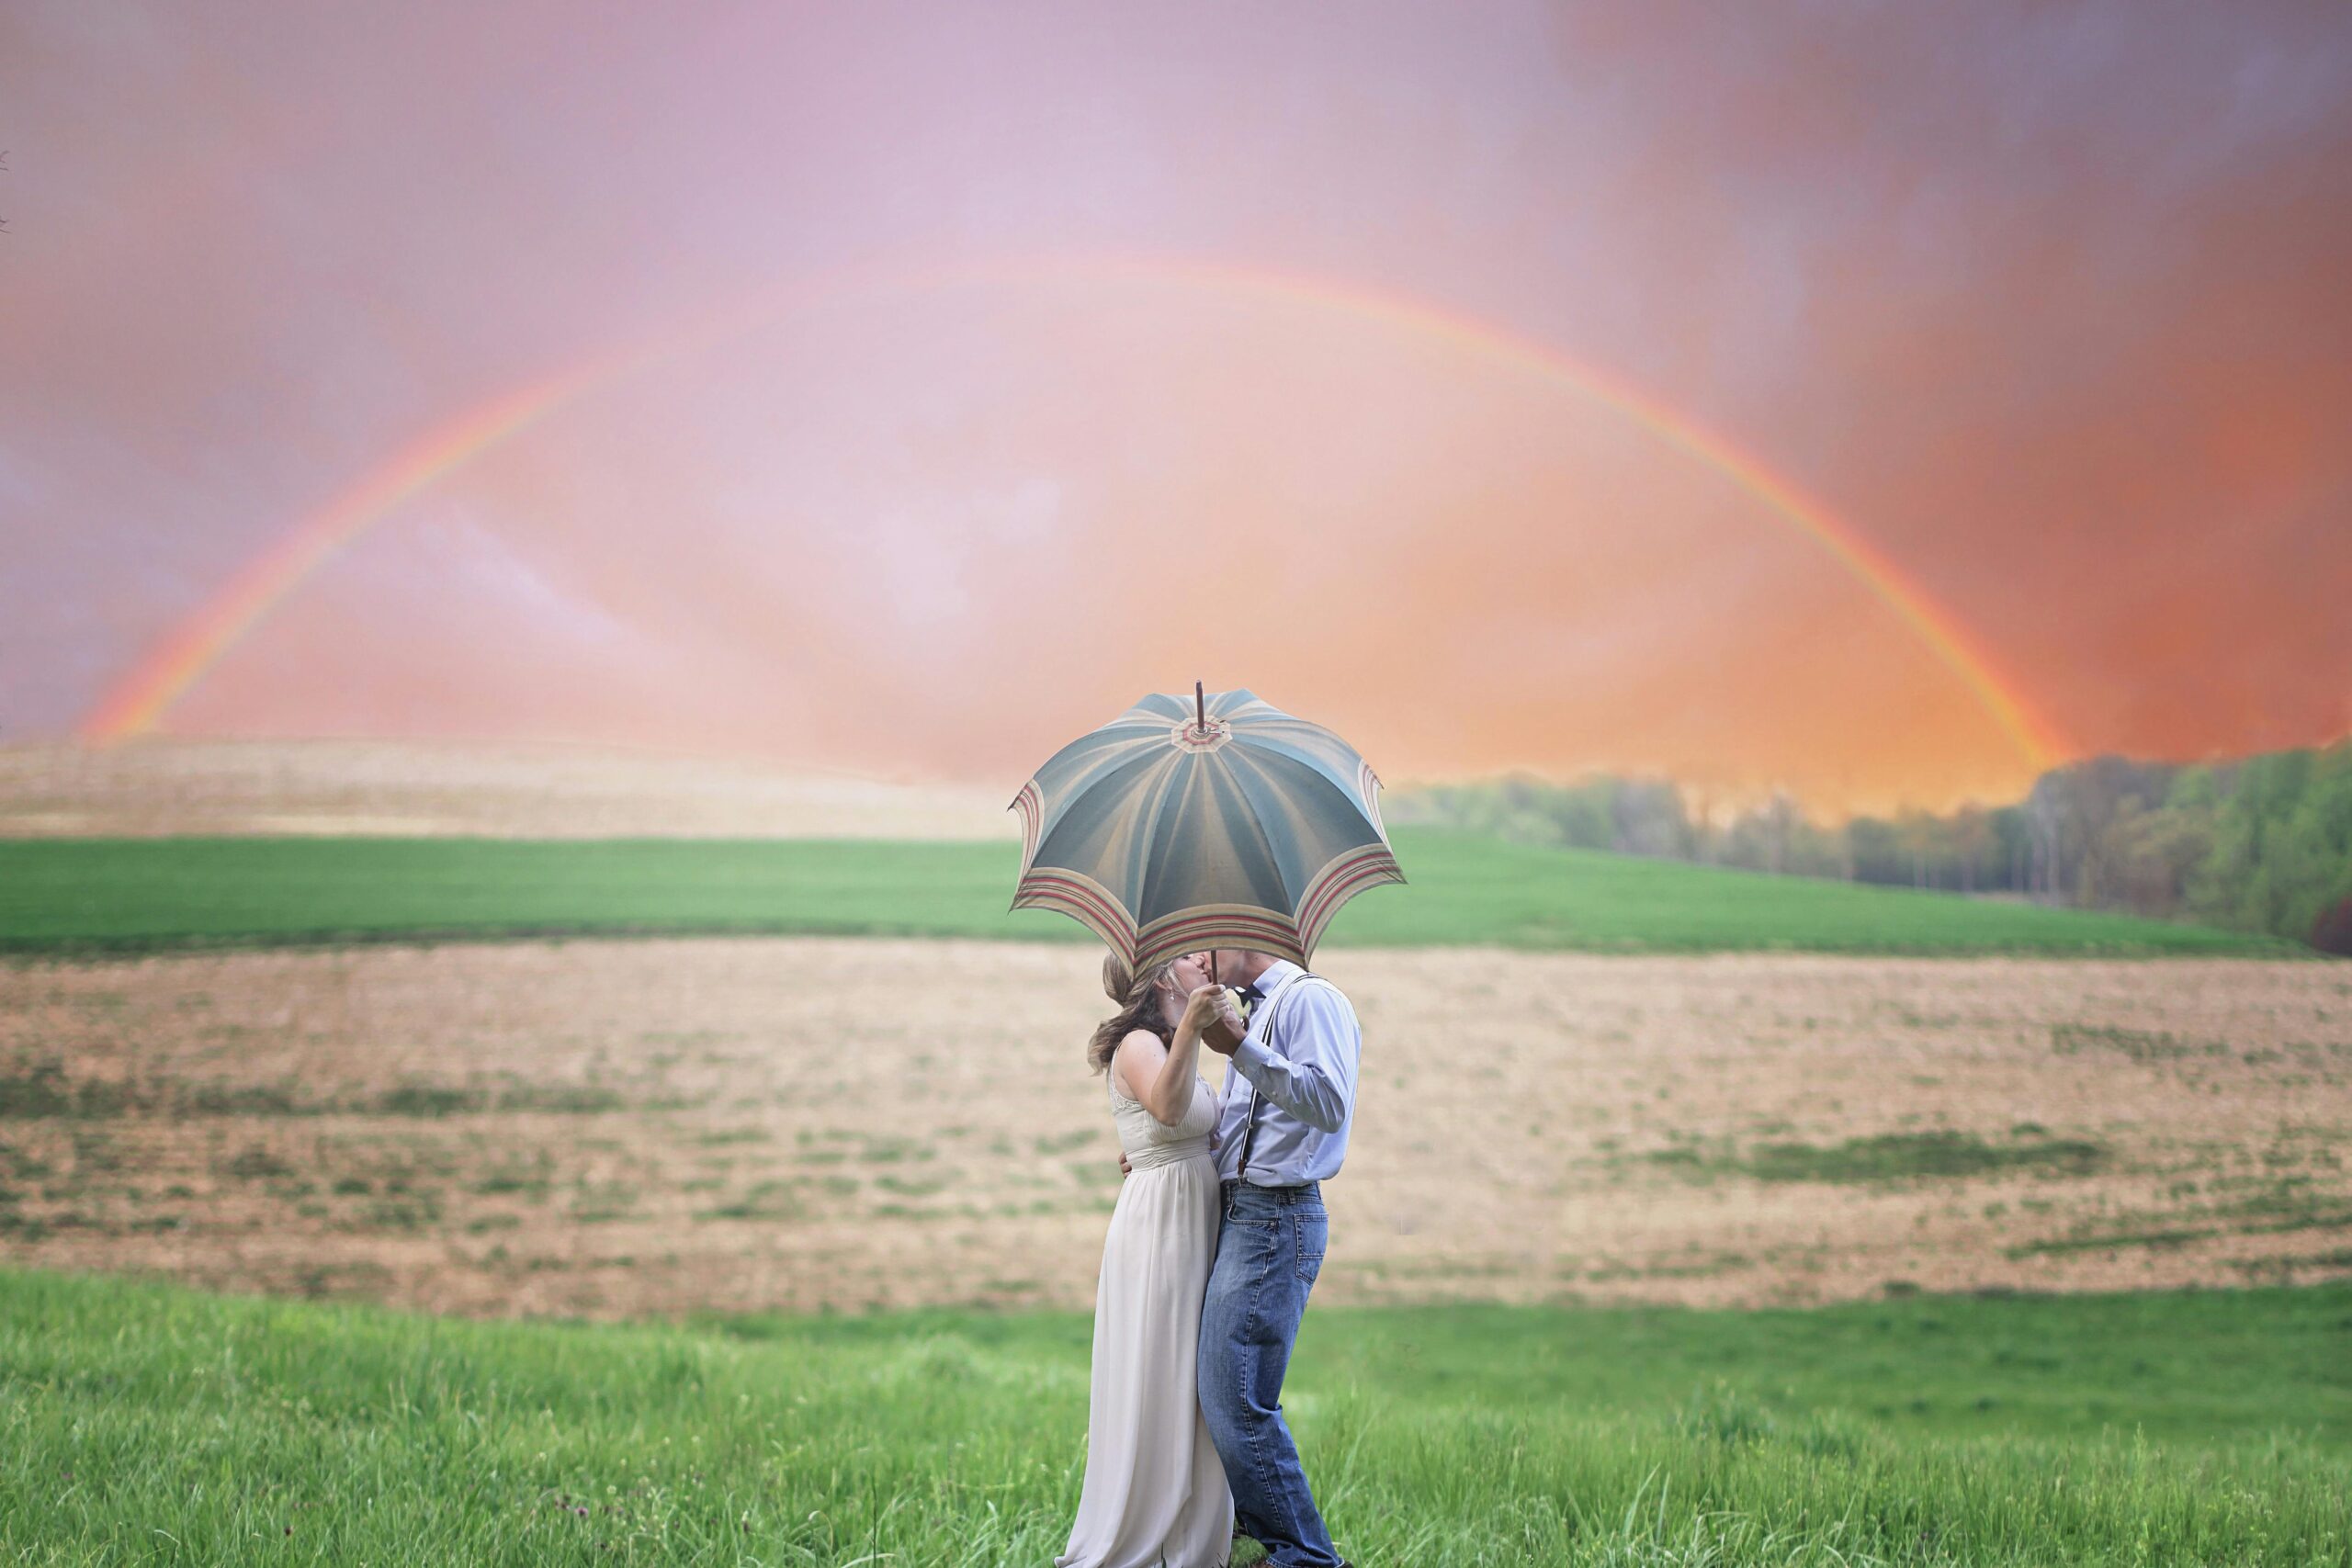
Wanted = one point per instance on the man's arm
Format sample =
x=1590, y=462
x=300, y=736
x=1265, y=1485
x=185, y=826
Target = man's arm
x=1314, y=1074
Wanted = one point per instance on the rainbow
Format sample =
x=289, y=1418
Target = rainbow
x=181, y=658
x=2032, y=735
x=145, y=692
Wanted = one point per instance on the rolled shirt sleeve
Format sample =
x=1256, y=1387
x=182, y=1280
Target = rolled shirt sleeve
x=1314, y=1075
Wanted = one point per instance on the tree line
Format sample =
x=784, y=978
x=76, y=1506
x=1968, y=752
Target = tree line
x=2263, y=843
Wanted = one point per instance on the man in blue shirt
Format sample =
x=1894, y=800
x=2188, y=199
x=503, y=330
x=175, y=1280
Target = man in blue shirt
x=1282, y=1130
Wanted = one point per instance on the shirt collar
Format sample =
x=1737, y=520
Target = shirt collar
x=1280, y=970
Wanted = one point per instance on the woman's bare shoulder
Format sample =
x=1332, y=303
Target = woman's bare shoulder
x=1141, y=1049
x=1141, y=1044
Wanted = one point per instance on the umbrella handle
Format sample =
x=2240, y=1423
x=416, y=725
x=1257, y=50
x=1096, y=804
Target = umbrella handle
x=1201, y=727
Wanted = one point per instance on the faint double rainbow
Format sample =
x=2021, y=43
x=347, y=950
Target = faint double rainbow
x=165, y=673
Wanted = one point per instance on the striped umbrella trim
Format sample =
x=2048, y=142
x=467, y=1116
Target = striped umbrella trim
x=1275, y=766
x=1342, y=880
x=1225, y=917
x=1030, y=803
x=1082, y=897
x=1074, y=888
x=1198, y=932
x=1085, y=915
x=1323, y=894
x=1160, y=952
x=1234, y=926
x=1368, y=786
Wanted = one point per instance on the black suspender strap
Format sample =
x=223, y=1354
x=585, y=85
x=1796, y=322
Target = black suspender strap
x=1249, y=1125
x=1249, y=1136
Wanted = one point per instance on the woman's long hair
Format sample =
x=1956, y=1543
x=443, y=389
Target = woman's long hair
x=1139, y=999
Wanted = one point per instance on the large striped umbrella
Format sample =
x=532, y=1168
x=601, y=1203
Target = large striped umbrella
x=1217, y=823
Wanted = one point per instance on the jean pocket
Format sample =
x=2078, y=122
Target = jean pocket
x=1314, y=1234
x=1254, y=1217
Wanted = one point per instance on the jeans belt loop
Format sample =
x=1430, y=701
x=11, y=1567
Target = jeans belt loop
x=1298, y=1194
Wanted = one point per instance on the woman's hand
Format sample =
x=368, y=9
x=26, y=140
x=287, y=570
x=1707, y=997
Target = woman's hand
x=1220, y=1027
x=1202, y=1008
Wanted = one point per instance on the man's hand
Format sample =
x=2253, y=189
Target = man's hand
x=1124, y=1171
x=1214, y=1011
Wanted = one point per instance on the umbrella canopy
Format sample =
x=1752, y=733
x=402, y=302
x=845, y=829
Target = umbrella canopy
x=1210, y=822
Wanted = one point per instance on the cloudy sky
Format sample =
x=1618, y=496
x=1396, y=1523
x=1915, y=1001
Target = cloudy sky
x=1876, y=400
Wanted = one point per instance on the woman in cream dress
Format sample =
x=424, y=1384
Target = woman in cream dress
x=1155, y=1492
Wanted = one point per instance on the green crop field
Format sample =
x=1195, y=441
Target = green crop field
x=146, y=1424
x=131, y=894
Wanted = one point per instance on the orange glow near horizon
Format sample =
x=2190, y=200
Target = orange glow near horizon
x=1881, y=415
x=139, y=701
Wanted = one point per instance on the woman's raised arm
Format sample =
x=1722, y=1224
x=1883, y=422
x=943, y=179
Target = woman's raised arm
x=1161, y=1076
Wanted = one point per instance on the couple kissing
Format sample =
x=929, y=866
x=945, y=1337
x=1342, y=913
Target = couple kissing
x=1212, y=1247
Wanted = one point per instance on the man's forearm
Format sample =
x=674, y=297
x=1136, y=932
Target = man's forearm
x=1305, y=1090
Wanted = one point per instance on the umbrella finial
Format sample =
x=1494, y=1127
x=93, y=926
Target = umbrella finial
x=1200, y=709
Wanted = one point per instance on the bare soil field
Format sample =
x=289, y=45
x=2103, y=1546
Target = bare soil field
x=619, y=1129
x=405, y=789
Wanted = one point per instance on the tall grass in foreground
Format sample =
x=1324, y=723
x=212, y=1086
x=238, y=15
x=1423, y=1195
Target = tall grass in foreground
x=145, y=1424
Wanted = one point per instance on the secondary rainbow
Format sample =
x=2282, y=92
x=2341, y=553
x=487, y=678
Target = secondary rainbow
x=146, y=692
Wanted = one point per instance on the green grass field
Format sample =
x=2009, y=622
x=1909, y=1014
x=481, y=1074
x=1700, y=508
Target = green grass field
x=131, y=894
x=147, y=1424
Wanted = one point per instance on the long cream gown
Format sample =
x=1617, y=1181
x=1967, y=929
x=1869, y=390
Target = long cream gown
x=1155, y=1492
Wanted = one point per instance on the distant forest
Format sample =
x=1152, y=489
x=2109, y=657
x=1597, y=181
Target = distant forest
x=2264, y=844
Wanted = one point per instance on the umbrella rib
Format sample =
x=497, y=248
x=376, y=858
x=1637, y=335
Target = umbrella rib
x=1353, y=807
x=1328, y=769
x=1110, y=760
x=1252, y=837
x=1265, y=841
x=1072, y=795
x=1175, y=781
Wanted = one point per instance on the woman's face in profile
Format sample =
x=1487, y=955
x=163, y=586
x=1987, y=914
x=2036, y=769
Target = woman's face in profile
x=1186, y=976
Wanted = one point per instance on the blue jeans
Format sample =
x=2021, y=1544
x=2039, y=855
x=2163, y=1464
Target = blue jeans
x=1269, y=1251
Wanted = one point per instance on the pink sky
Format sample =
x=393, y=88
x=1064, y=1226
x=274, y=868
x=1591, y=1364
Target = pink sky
x=2046, y=304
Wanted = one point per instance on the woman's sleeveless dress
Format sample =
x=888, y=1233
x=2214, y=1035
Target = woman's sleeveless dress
x=1155, y=1492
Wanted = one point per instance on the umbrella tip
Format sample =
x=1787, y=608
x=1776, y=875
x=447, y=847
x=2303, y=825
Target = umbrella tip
x=1200, y=706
